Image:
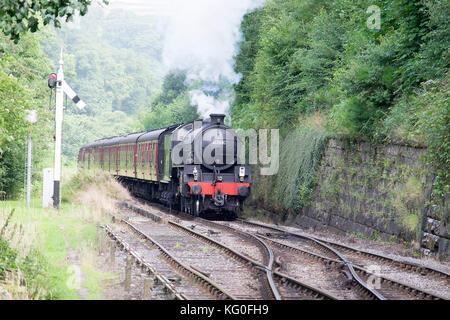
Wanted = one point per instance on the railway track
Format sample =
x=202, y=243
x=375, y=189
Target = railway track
x=329, y=274
x=336, y=275
x=238, y=278
x=407, y=266
x=395, y=276
x=392, y=290
x=179, y=283
x=289, y=287
x=274, y=285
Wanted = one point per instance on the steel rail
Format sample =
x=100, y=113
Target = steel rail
x=237, y=256
x=359, y=270
x=269, y=268
x=355, y=270
x=409, y=266
x=256, y=264
x=266, y=269
x=362, y=285
x=319, y=294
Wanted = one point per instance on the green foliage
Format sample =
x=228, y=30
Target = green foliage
x=22, y=70
x=32, y=265
x=300, y=156
x=301, y=56
x=242, y=114
x=80, y=129
x=423, y=118
x=7, y=258
x=41, y=244
x=172, y=87
x=273, y=88
x=77, y=182
x=434, y=124
x=113, y=62
x=108, y=70
x=18, y=17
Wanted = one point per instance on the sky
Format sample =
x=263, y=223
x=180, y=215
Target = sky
x=144, y=7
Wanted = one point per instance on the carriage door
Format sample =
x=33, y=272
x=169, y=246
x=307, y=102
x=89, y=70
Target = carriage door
x=164, y=158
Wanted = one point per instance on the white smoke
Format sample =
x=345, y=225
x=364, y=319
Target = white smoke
x=202, y=39
x=208, y=104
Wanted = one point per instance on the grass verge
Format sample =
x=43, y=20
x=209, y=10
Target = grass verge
x=51, y=254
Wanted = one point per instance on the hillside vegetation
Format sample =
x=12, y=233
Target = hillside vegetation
x=321, y=64
x=112, y=60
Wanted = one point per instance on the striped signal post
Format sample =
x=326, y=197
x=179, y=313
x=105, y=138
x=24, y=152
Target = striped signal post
x=61, y=87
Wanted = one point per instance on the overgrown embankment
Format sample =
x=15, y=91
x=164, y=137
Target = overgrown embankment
x=293, y=187
x=50, y=254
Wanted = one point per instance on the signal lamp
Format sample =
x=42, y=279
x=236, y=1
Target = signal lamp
x=52, y=80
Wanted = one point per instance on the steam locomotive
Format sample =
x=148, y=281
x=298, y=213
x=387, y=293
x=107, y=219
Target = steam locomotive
x=193, y=166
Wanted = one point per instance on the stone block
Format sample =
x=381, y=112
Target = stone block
x=393, y=228
x=307, y=222
x=443, y=229
x=432, y=226
x=444, y=246
x=430, y=241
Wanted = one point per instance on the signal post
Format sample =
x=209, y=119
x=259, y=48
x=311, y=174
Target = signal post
x=60, y=87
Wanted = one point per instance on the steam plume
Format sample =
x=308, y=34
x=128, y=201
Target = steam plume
x=202, y=39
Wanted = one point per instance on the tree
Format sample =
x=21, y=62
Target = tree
x=172, y=105
x=23, y=69
x=18, y=17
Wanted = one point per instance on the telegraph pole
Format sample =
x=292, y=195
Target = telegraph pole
x=58, y=132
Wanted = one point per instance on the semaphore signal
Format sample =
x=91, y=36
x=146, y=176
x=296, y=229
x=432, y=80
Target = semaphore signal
x=56, y=81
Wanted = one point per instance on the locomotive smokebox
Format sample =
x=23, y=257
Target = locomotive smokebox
x=217, y=118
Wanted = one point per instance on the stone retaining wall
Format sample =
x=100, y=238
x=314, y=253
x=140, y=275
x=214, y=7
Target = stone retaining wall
x=377, y=191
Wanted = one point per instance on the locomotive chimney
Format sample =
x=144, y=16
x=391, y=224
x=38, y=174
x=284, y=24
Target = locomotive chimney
x=217, y=118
